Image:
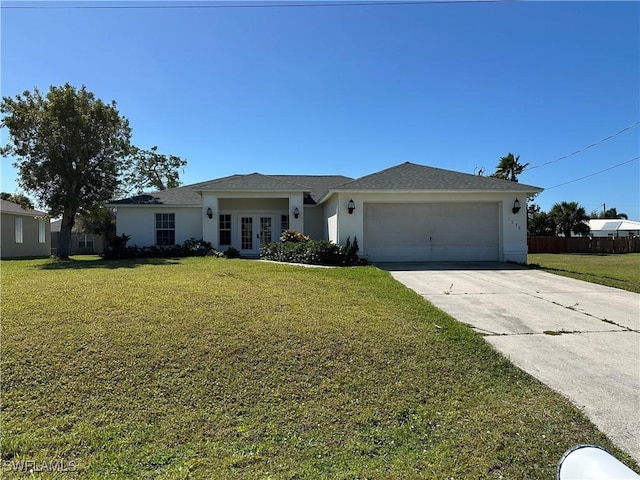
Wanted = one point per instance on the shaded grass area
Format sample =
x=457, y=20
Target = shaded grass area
x=231, y=369
x=619, y=270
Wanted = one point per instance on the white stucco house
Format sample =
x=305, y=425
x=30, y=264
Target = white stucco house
x=408, y=212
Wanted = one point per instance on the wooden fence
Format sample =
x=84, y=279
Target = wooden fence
x=583, y=245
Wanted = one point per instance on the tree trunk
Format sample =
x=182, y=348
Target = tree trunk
x=64, y=242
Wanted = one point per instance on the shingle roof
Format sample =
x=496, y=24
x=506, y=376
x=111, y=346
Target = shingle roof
x=316, y=185
x=406, y=176
x=313, y=186
x=251, y=182
x=410, y=176
x=10, y=207
x=174, y=196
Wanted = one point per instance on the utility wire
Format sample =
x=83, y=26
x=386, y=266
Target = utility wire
x=587, y=147
x=256, y=5
x=594, y=174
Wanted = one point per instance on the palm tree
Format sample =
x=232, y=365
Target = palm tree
x=509, y=168
x=570, y=217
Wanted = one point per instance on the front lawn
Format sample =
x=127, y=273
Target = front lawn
x=233, y=369
x=614, y=270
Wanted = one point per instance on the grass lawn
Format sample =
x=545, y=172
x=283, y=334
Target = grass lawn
x=620, y=270
x=232, y=369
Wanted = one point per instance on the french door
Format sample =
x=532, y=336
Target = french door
x=255, y=230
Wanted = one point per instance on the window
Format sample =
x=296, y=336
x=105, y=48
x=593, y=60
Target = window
x=85, y=241
x=284, y=223
x=165, y=229
x=42, y=232
x=225, y=229
x=18, y=229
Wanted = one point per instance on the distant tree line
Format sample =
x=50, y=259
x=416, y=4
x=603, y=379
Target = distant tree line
x=609, y=213
x=564, y=218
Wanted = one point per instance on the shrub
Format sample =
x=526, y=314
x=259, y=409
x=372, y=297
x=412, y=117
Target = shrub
x=232, y=253
x=190, y=248
x=117, y=248
x=350, y=251
x=312, y=252
x=120, y=240
x=197, y=248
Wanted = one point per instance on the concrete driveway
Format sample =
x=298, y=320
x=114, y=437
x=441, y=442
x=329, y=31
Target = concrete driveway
x=581, y=339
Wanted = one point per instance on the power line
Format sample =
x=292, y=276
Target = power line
x=314, y=3
x=594, y=174
x=587, y=147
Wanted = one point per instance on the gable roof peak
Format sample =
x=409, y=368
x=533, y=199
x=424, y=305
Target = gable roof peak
x=413, y=176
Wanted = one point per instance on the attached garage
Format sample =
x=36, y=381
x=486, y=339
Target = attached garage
x=415, y=213
x=431, y=231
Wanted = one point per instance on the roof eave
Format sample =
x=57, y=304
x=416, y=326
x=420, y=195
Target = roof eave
x=526, y=190
x=252, y=191
x=177, y=205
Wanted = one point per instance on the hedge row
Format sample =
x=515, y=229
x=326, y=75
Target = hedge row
x=190, y=248
x=312, y=252
x=295, y=248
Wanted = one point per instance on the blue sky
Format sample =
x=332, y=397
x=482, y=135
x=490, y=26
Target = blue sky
x=354, y=89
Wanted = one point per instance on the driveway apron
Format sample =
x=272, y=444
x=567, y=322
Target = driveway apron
x=579, y=338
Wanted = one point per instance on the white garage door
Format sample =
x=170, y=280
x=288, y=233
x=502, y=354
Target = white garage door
x=431, y=231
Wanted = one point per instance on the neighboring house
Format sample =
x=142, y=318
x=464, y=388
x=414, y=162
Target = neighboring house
x=25, y=233
x=82, y=243
x=404, y=213
x=613, y=227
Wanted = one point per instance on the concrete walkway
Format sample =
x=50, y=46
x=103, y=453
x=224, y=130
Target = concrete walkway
x=581, y=339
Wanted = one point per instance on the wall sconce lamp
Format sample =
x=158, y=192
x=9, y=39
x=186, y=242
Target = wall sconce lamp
x=296, y=212
x=516, y=206
x=351, y=206
x=209, y=212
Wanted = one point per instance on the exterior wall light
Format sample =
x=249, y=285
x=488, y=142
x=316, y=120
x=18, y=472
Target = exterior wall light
x=209, y=212
x=296, y=212
x=516, y=206
x=351, y=206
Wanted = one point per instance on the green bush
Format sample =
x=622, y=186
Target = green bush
x=190, y=248
x=232, y=253
x=312, y=252
x=350, y=251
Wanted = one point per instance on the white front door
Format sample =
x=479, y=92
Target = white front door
x=255, y=230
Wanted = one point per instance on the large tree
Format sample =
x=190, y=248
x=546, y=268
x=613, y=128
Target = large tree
x=149, y=169
x=570, y=217
x=69, y=148
x=509, y=167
